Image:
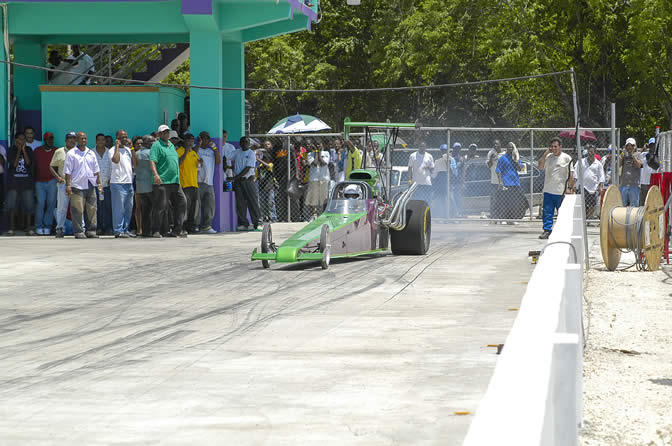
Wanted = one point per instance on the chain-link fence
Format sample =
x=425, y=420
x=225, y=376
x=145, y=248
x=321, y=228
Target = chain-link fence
x=475, y=180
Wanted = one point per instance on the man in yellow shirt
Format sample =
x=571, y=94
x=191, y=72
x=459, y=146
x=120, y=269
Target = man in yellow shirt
x=189, y=162
x=354, y=160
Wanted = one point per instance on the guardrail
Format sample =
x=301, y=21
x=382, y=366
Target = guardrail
x=535, y=394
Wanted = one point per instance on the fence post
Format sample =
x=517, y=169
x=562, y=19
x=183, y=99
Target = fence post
x=531, y=173
x=448, y=175
x=289, y=177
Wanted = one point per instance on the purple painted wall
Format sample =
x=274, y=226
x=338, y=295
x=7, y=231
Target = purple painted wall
x=225, y=202
x=203, y=7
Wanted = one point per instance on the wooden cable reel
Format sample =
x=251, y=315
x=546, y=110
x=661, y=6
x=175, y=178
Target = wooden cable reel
x=640, y=230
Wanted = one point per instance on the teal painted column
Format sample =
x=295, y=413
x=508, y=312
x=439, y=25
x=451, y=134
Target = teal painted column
x=233, y=54
x=205, y=107
x=27, y=83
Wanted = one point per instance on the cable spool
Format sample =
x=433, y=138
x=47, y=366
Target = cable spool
x=632, y=229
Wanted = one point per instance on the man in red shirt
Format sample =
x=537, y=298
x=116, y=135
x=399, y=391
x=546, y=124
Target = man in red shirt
x=45, y=186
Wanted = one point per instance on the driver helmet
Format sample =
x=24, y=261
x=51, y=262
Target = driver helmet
x=352, y=192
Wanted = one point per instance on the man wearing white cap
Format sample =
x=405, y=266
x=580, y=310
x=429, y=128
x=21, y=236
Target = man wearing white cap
x=631, y=165
x=165, y=166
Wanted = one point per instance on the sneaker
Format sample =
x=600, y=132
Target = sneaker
x=46, y=231
x=241, y=228
x=183, y=234
x=109, y=232
x=122, y=235
x=209, y=231
x=544, y=235
x=131, y=234
x=157, y=234
x=91, y=234
x=100, y=232
x=39, y=231
x=10, y=233
x=251, y=228
x=171, y=234
x=60, y=233
x=80, y=235
x=30, y=233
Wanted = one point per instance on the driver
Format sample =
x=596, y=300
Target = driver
x=352, y=192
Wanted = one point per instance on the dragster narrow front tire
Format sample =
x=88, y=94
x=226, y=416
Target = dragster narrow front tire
x=415, y=238
x=325, y=246
x=266, y=241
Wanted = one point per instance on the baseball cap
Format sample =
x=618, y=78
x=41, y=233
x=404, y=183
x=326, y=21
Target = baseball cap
x=652, y=141
x=457, y=145
x=630, y=141
x=443, y=147
x=163, y=128
x=70, y=134
x=173, y=134
x=473, y=146
x=47, y=135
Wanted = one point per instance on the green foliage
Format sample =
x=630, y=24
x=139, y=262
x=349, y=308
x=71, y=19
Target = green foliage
x=621, y=52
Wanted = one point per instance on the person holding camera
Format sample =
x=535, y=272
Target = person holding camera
x=631, y=164
x=557, y=182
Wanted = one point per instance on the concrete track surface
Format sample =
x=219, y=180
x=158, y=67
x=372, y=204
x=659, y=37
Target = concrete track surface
x=176, y=341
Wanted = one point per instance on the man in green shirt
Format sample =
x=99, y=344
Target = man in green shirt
x=167, y=191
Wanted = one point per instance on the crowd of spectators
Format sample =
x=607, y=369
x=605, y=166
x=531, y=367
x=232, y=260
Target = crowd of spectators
x=162, y=184
x=156, y=185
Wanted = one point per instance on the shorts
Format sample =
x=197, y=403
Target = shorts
x=20, y=198
x=318, y=192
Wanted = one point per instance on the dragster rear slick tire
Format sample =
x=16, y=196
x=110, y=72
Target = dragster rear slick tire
x=325, y=247
x=415, y=238
x=266, y=242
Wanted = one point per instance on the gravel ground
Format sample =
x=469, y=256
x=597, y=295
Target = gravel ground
x=628, y=358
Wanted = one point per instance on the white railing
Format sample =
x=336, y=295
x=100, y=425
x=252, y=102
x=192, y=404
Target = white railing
x=535, y=394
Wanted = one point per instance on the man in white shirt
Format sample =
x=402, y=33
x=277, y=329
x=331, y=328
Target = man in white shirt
x=318, y=181
x=420, y=168
x=31, y=142
x=558, y=177
x=592, y=179
x=491, y=161
x=122, y=161
x=209, y=154
x=81, y=177
x=244, y=164
x=82, y=64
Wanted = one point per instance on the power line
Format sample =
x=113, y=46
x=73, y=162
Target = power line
x=289, y=90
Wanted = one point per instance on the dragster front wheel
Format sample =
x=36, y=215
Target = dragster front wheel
x=266, y=243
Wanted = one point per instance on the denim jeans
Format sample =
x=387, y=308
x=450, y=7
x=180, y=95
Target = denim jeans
x=104, y=210
x=46, y=192
x=630, y=195
x=267, y=205
x=122, y=206
x=551, y=203
x=206, y=208
x=62, y=201
x=23, y=199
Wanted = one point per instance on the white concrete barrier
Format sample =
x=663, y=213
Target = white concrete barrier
x=535, y=394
